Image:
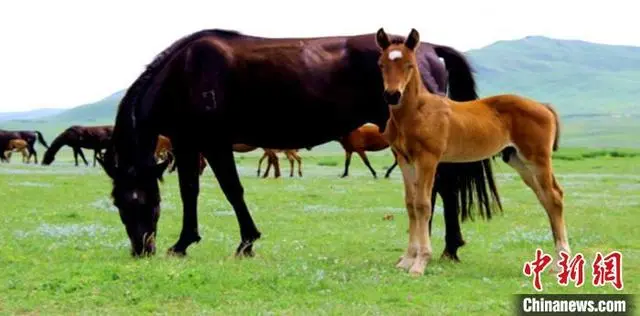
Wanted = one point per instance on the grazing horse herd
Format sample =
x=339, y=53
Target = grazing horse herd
x=216, y=92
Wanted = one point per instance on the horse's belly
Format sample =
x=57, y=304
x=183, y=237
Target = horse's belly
x=471, y=146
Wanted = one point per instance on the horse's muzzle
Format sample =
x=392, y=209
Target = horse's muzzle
x=392, y=97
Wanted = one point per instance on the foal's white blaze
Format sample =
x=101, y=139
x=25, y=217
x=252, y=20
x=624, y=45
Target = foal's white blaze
x=395, y=54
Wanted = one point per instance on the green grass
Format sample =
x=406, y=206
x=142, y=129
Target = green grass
x=325, y=248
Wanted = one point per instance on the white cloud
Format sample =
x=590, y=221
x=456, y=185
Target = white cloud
x=65, y=53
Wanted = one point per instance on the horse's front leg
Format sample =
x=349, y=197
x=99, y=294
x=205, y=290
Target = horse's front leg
x=409, y=179
x=187, y=163
x=426, y=165
x=221, y=160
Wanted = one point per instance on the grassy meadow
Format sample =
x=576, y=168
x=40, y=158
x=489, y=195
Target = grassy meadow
x=326, y=248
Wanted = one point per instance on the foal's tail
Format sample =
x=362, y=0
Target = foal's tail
x=556, y=140
x=41, y=139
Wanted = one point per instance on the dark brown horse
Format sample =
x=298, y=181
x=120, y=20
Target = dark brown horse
x=215, y=88
x=29, y=136
x=78, y=137
x=365, y=138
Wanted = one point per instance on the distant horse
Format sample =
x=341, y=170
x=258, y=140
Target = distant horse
x=426, y=129
x=17, y=145
x=365, y=138
x=215, y=88
x=29, y=136
x=164, y=151
x=272, y=154
x=78, y=137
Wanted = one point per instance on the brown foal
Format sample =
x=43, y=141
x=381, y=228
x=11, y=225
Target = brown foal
x=425, y=129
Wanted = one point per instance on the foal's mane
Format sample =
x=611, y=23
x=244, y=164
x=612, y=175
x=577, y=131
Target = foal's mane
x=130, y=109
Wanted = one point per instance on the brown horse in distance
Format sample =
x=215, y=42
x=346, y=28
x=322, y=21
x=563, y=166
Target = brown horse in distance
x=78, y=137
x=29, y=136
x=17, y=145
x=272, y=154
x=426, y=129
x=365, y=138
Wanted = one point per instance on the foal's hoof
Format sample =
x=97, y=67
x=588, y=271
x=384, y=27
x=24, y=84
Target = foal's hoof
x=404, y=263
x=418, y=268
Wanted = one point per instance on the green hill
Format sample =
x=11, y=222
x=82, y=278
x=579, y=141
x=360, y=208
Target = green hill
x=577, y=77
x=595, y=88
x=103, y=111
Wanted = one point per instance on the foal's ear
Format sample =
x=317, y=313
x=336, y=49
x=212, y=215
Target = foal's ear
x=412, y=40
x=382, y=39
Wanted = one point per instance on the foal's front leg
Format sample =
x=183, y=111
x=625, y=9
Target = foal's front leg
x=409, y=180
x=425, y=175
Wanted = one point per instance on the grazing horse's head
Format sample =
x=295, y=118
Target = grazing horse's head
x=397, y=63
x=137, y=196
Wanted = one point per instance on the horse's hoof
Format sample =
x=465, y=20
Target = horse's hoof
x=404, y=263
x=446, y=255
x=176, y=253
x=245, y=250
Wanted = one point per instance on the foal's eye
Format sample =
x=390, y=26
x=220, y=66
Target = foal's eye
x=409, y=66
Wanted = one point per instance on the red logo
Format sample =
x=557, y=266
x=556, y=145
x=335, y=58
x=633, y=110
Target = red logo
x=571, y=270
x=536, y=267
x=608, y=269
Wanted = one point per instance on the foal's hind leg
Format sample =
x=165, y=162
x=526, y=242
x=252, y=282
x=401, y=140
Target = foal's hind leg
x=538, y=175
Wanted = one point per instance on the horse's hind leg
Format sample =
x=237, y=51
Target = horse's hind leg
x=299, y=159
x=224, y=167
x=264, y=155
x=292, y=165
x=364, y=158
x=347, y=161
x=538, y=175
x=453, y=233
x=395, y=163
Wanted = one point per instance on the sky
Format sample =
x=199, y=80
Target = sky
x=61, y=54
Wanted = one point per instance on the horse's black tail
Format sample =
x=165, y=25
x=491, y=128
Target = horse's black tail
x=57, y=143
x=467, y=178
x=462, y=85
x=41, y=139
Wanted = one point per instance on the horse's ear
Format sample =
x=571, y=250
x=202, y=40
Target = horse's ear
x=412, y=40
x=109, y=168
x=382, y=39
x=160, y=168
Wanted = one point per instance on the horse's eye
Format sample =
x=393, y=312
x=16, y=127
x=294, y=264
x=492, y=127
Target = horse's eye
x=409, y=66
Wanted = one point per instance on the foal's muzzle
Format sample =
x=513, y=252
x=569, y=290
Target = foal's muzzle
x=392, y=97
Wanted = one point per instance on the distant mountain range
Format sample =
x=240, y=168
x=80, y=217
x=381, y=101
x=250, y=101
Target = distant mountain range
x=30, y=115
x=582, y=80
